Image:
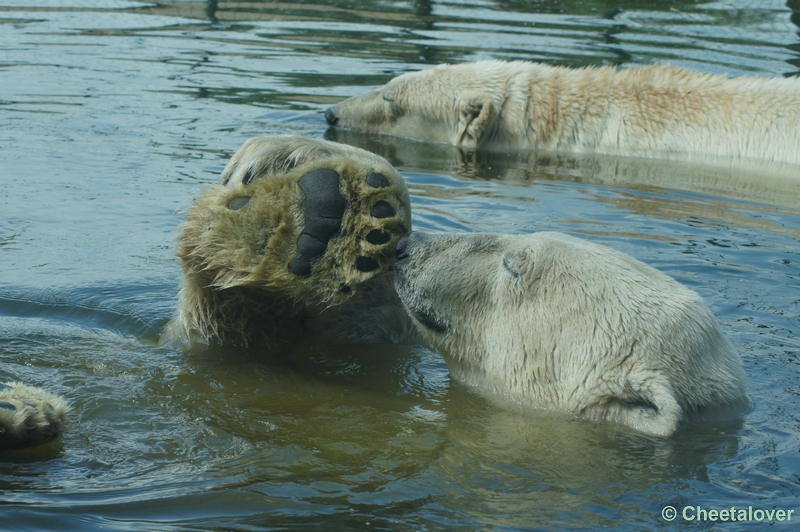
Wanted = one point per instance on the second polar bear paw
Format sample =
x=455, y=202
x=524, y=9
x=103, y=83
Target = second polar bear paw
x=305, y=218
x=29, y=416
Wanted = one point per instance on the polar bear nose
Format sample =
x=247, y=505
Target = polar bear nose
x=413, y=242
x=330, y=116
x=400, y=252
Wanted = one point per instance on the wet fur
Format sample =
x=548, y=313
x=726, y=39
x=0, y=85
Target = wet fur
x=653, y=111
x=550, y=321
x=237, y=286
x=29, y=415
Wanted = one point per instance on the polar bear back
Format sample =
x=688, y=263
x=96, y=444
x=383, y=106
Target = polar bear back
x=650, y=111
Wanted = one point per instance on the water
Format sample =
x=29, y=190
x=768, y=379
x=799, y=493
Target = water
x=116, y=114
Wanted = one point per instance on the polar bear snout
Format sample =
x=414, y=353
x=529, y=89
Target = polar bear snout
x=415, y=249
x=401, y=249
x=330, y=116
x=412, y=282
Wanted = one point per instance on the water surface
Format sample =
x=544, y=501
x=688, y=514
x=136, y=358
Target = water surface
x=116, y=114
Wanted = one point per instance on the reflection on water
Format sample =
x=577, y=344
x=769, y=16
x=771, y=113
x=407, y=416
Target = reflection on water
x=758, y=182
x=115, y=114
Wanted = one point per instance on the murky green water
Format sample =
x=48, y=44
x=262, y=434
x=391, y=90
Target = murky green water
x=114, y=114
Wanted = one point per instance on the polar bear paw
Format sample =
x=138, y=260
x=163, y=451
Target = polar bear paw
x=373, y=222
x=29, y=416
x=307, y=219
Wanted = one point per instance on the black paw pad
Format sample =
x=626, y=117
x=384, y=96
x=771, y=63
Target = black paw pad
x=376, y=180
x=311, y=247
x=382, y=209
x=366, y=264
x=7, y=405
x=324, y=208
x=378, y=237
x=300, y=266
x=323, y=198
x=238, y=203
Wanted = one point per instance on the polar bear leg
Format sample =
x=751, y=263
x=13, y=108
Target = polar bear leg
x=648, y=406
x=297, y=226
x=29, y=416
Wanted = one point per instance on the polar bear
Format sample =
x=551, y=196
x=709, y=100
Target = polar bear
x=550, y=321
x=652, y=111
x=310, y=238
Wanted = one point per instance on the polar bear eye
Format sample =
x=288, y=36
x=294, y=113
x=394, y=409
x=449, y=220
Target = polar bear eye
x=395, y=111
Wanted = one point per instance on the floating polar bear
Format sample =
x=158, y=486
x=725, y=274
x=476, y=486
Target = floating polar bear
x=645, y=111
x=547, y=320
x=300, y=239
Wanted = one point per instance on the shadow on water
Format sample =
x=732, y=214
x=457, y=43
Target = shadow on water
x=378, y=434
x=794, y=5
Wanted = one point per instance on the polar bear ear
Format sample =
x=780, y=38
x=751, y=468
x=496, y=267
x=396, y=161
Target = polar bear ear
x=475, y=113
x=519, y=263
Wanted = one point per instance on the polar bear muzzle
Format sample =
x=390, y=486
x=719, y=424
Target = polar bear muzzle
x=409, y=253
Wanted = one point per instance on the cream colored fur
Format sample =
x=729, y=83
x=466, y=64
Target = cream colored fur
x=653, y=111
x=554, y=322
x=29, y=415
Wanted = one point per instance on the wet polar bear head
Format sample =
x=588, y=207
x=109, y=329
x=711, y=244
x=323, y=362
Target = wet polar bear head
x=649, y=111
x=551, y=321
x=446, y=104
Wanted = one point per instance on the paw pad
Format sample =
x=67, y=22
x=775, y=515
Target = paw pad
x=238, y=203
x=382, y=209
x=376, y=180
x=324, y=209
x=378, y=237
x=350, y=217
